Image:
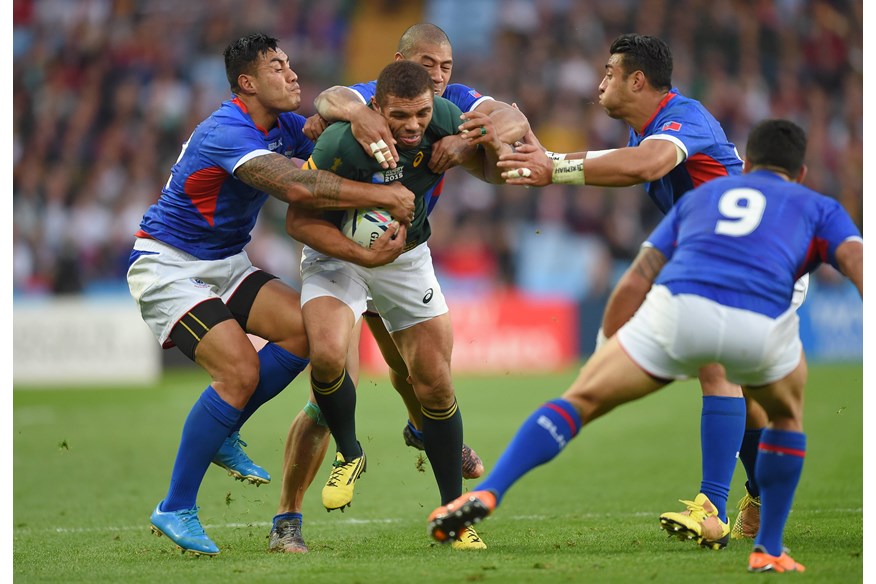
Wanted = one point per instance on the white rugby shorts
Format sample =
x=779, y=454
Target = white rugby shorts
x=166, y=282
x=405, y=292
x=671, y=337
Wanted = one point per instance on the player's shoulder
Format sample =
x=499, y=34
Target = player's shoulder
x=464, y=96
x=338, y=141
x=445, y=116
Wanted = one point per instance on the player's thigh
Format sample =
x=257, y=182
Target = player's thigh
x=783, y=399
x=333, y=297
x=227, y=354
x=275, y=315
x=427, y=347
x=353, y=360
x=608, y=379
x=713, y=381
x=390, y=352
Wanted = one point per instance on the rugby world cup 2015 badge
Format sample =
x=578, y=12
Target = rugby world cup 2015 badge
x=389, y=175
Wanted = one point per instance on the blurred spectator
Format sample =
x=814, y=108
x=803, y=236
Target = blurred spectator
x=105, y=93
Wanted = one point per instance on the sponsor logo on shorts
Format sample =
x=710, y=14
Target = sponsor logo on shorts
x=428, y=297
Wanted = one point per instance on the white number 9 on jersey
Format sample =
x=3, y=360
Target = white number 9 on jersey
x=742, y=209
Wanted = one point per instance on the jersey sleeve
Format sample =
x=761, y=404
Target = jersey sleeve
x=833, y=229
x=685, y=127
x=231, y=144
x=365, y=91
x=665, y=235
x=464, y=97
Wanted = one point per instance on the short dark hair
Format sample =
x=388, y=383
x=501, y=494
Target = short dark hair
x=647, y=54
x=404, y=79
x=420, y=34
x=243, y=53
x=778, y=144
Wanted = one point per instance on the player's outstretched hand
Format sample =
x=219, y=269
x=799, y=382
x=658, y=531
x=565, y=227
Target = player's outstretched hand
x=527, y=166
x=372, y=132
x=314, y=126
x=388, y=246
x=400, y=202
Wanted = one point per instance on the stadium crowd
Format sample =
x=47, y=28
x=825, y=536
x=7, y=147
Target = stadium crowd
x=106, y=91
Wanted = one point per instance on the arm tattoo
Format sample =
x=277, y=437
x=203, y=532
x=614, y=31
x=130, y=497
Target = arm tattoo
x=279, y=177
x=648, y=263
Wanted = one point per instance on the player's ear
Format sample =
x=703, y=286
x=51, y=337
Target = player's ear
x=746, y=166
x=374, y=105
x=398, y=57
x=801, y=176
x=244, y=82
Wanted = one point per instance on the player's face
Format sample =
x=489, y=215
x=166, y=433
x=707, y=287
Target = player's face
x=438, y=61
x=614, y=93
x=276, y=83
x=408, y=118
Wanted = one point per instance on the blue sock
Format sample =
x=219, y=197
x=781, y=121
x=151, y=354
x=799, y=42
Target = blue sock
x=206, y=427
x=721, y=428
x=748, y=457
x=779, y=464
x=541, y=437
x=417, y=434
x=277, y=368
x=287, y=516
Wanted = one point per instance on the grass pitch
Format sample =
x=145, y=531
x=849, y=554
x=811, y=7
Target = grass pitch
x=90, y=465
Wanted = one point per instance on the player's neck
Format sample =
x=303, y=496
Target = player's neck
x=645, y=109
x=263, y=118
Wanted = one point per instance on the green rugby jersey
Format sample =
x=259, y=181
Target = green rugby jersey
x=338, y=151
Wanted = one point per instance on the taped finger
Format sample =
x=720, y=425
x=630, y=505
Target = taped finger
x=379, y=157
x=519, y=173
x=381, y=145
x=375, y=148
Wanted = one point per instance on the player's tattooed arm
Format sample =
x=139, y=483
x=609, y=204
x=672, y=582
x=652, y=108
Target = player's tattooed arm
x=648, y=263
x=280, y=178
x=632, y=288
x=323, y=190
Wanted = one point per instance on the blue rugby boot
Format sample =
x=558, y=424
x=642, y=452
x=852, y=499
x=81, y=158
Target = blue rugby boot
x=184, y=529
x=232, y=458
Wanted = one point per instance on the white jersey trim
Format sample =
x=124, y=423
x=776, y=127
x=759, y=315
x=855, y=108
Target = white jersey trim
x=250, y=156
x=482, y=99
x=681, y=149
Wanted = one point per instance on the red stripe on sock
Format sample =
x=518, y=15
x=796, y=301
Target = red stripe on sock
x=781, y=450
x=565, y=416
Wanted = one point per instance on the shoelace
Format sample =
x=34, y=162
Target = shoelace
x=289, y=530
x=746, y=501
x=190, y=522
x=337, y=473
x=697, y=511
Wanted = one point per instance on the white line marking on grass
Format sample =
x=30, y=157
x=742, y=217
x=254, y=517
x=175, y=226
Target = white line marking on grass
x=351, y=521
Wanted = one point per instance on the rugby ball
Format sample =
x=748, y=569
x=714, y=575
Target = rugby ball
x=364, y=226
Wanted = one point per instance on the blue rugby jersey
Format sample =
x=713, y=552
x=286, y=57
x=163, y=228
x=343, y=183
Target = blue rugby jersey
x=463, y=96
x=203, y=209
x=743, y=241
x=688, y=125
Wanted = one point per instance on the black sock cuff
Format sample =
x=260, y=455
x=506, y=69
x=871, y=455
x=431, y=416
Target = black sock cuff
x=327, y=388
x=445, y=414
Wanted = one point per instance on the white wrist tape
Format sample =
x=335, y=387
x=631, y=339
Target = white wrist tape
x=555, y=155
x=568, y=172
